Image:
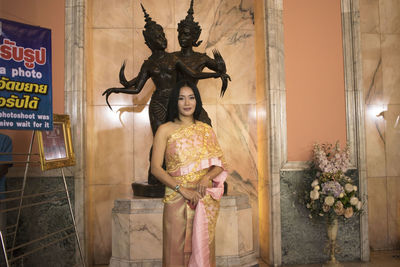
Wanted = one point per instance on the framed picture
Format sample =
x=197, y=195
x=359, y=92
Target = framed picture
x=55, y=146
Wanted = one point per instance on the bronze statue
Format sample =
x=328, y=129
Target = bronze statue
x=188, y=35
x=165, y=69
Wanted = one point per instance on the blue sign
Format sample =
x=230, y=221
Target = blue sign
x=25, y=77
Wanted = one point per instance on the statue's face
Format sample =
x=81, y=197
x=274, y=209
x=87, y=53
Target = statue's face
x=157, y=39
x=185, y=37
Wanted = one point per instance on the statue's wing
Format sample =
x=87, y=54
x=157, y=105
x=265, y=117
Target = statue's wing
x=222, y=67
x=219, y=60
x=224, y=86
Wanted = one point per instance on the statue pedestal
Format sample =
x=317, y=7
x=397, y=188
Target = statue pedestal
x=137, y=232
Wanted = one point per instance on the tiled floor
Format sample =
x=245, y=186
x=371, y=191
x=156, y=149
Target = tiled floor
x=378, y=259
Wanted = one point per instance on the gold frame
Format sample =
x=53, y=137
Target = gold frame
x=69, y=160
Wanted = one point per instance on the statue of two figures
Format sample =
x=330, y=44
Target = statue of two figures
x=165, y=70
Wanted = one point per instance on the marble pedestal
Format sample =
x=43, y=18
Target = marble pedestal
x=137, y=232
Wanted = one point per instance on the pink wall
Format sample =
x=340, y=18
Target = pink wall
x=47, y=14
x=314, y=75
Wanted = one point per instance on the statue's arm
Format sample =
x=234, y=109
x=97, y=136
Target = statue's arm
x=141, y=79
x=196, y=75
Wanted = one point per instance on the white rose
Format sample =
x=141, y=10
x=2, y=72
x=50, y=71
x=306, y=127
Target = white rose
x=317, y=188
x=341, y=195
x=355, y=188
x=353, y=201
x=348, y=187
x=308, y=205
x=314, y=183
x=314, y=195
x=359, y=205
x=329, y=200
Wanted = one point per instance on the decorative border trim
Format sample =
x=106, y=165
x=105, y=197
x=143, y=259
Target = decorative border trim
x=75, y=105
x=277, y=108
x=295, y=166
x=355, y=107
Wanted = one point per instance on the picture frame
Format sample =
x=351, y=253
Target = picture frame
x=55, y=146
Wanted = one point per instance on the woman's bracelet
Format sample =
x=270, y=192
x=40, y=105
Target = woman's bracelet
x=176, y=189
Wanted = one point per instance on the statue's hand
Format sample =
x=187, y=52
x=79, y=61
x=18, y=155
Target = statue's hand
x=225, y=76
x=108, y=92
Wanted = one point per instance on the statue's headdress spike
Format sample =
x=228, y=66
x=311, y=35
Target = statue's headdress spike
x=147, y=17
x=190, y=12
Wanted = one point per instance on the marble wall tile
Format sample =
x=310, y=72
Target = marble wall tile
x=102, y=198
x=226, y=244
x=391, y=66
x=369, y=16
x=237, y=128
x=389, y=11
x=392, y=116
x=263, y=167
x=111, y=139
x=212, y=114
x=233, y=14
x=260, y=49
x=264, y=218
x=377, y=211
x=393, y=206
x=148, y=234
x=204, y=11
x=245, y=231
x=375, y=133
x=141, y=52
x=262, y=119
x=210, y=90
x=237, y=136
x=112, y=13
x=163, y=12
x=120, y=235
x=110, y=48
x=372, y=68
x=142, y=140
x=237, y=48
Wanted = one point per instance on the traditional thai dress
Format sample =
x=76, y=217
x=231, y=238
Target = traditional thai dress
x=189, y=232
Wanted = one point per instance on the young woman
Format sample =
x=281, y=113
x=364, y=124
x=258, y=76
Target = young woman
x=194, y=177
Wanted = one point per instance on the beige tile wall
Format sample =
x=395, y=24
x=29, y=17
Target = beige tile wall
x=380, y=37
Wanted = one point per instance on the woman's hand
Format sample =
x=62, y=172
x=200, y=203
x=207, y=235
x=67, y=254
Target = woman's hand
x=191, y=195
x=203, y=185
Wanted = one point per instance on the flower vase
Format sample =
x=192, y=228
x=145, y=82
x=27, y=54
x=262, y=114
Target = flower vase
x=332, y=230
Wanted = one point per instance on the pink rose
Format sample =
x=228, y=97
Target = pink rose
x=338, y=208
x=325, y=208
x=348, y=212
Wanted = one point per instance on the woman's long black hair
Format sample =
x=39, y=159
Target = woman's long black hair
x=173, y=112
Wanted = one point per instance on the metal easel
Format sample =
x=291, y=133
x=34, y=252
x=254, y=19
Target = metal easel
x=20, y=206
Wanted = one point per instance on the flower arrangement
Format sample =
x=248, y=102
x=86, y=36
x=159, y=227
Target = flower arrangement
x=333, y=193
